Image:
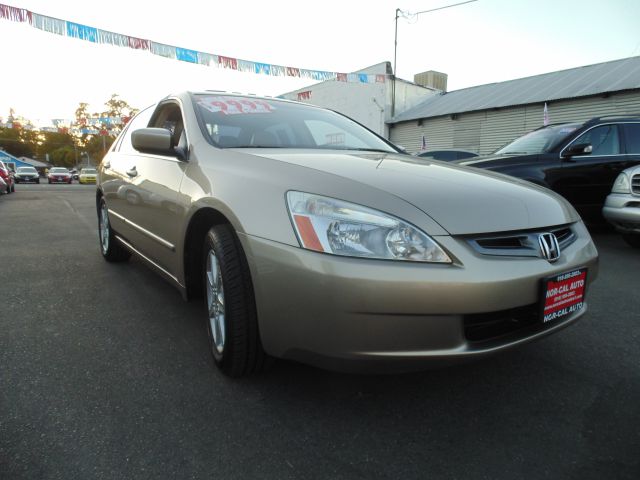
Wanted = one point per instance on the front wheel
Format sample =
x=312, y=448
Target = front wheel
x=631, y=239
x=232, y=323
x=111, y=250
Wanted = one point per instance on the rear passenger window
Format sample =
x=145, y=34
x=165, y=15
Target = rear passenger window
x=632, y=137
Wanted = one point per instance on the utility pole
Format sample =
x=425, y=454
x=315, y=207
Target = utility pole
x=395, y=55
x=395, y=45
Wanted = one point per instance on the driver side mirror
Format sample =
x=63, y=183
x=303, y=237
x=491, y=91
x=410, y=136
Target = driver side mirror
x=577, y=149
x=156, y=141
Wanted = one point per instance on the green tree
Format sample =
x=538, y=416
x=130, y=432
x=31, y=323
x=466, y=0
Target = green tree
x=18, y=142
x=117, y=107
x=97, y=145
x=82, y=114
x=63, y=157
x=54, y=141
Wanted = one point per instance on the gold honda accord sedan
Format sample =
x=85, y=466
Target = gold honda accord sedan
x=311, y=238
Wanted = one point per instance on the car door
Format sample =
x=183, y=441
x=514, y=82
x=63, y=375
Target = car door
x=151, y=193
x=585, y=180
x=115, y=181
x=631, y=140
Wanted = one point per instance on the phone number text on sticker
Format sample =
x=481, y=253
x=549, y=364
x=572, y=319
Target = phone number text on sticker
x=564, y=294
x=235, y=106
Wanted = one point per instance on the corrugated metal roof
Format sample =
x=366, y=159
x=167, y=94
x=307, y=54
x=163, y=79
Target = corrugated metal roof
x=576, y=82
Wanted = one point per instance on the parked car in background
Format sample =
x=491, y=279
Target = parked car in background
x=4, y=188
x=87, y=175
x=74, y=173
x=580, y=161
x=7, y=176
x=27, y=175
x=622, y=206
x=59, y=175
x=314, y=239
x=446, y=154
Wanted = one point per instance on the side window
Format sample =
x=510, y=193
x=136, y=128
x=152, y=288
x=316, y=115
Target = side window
x=169, y=116
x=604, y=140
x=141, y=120
x=445, y=155
x=632, y=137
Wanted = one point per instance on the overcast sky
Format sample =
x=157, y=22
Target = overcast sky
x=45, y=76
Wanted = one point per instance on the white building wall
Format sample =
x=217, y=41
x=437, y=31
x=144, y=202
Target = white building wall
x=367, y=103
x=364, y=102
x=487, y=130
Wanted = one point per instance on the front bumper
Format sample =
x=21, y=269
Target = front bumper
x=84, y=180
x=373, y=315
x=623, y=212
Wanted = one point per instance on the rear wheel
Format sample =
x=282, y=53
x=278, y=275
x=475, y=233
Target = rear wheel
x=112, y=251
x=631, y=239
x=232, y=322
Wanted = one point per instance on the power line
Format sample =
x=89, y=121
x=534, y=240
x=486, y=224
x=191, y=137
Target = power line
x=446, y=6
x=395, y=47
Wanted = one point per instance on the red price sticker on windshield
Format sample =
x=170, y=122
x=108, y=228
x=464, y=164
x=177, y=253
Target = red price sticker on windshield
x=235, y=105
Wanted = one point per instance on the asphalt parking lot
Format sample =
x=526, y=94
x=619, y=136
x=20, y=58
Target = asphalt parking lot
x=106, y=374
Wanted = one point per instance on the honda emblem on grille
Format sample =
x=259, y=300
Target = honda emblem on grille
x=549, y=246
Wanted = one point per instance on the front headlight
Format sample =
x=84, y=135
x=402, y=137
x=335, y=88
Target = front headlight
x=621, y=185
x=334, y=226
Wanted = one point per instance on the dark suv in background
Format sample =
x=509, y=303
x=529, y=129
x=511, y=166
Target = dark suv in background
x=580, y=161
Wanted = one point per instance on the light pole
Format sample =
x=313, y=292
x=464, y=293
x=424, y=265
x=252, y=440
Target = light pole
x=395, y=45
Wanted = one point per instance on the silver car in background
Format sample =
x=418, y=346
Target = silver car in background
x=311, y=238
x=622, y=207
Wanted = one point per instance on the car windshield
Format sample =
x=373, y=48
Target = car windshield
x=241, y=122
x=88, y=171
x=26, y=170
x=538, y=141
x=59, y=170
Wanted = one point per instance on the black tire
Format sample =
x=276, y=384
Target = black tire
x=241, y=352
x=111, y=249
x=631, y=239
x=38, y=182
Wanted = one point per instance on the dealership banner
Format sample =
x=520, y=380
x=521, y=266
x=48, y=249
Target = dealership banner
x=95, y=35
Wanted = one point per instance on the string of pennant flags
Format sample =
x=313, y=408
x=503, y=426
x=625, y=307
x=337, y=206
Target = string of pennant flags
x=96, y=35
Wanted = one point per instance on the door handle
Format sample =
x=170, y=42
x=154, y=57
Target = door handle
x=133, y=172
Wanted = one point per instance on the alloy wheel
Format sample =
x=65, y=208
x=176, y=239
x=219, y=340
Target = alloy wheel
x=215, y=302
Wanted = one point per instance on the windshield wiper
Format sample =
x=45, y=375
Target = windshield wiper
x=377, y=150
x=258, y=146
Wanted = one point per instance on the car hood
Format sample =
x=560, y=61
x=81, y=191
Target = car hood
x=461, y=200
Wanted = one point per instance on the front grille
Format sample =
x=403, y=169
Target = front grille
x=522, y=244
x=635, y=184
x=482, y=327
